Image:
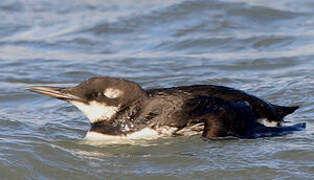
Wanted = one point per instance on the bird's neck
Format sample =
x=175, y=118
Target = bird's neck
x=123, y=122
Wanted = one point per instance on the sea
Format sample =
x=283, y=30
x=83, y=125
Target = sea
x=265, y=48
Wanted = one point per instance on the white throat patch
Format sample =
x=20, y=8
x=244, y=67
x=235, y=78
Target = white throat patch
x=96, y=111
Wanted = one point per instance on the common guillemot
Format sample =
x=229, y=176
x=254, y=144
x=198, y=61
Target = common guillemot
x=118, y=108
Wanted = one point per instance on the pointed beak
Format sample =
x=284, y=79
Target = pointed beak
x=55, y=92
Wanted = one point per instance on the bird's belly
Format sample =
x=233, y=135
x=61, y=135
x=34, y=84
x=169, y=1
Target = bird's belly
x=146, y=133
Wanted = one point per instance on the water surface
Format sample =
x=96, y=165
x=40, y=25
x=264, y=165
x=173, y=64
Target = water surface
x=263, y=47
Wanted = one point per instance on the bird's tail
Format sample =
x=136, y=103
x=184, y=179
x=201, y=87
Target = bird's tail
x=284, y=111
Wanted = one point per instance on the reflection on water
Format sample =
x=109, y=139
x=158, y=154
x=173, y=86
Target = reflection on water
x=262, y=47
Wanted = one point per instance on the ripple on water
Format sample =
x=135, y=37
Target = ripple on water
x=262, y=47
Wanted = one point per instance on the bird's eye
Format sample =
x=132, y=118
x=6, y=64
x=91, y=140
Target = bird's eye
x=94, y=95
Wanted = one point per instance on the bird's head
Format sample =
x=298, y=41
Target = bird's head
x=99, y=98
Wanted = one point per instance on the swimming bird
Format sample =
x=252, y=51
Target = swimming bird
x=118, y=108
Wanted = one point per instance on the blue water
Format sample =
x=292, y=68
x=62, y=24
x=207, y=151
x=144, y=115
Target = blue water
x=265, y=48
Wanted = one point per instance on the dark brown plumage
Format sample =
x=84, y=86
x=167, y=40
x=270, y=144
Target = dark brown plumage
x=214, y=111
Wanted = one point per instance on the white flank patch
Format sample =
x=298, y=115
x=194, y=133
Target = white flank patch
x=112, y=93
x=192, y=130
x=146, y=133
x=267, y=123
x=166, y=130
x=96, y=111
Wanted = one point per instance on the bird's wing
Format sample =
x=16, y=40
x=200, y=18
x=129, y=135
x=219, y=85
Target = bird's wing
x=222, y=118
